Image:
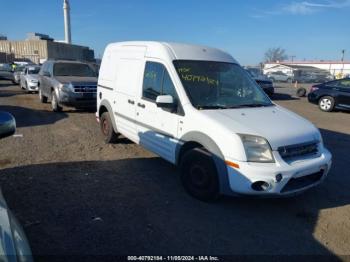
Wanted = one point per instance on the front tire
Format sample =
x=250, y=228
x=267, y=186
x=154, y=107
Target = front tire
x=199, y=175
x=109, y=136
x=54, y=103
x=42, y=98
x=326, y=103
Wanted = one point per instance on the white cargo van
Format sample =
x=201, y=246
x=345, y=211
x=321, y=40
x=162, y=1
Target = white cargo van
x=197, y=108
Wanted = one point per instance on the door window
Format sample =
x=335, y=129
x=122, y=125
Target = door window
x=157, y=82
x=345, y=83
x=152, y=81
x=168, y=86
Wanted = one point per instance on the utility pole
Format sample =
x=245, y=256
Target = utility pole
x=342, y=60
x=292, y=58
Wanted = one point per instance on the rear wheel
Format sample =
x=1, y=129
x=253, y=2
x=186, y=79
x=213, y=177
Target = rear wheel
x=109, y=136
x=42, y=98
x=54, y=103
x=326, y=103
x=199, y=175
x=301, y=92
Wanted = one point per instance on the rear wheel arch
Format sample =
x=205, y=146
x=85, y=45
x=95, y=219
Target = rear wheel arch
x=106, y=107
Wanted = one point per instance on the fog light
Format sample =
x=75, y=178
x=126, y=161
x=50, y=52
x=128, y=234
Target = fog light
x=260, y=186
x=279, y=178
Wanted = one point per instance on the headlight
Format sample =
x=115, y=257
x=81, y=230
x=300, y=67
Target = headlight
x=34, y=81
x=66, y=87
x=257, y=149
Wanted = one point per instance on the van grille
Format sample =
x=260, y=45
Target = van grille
x=302, y=182
x=299, y=150
x=85, y=89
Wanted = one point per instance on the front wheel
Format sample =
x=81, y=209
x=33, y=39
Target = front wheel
x=54, y=103
x=199, y=175
x=42, y=98
x=326, y=103
x=109, y=136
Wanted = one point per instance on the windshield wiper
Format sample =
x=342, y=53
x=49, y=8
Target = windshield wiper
x=211, y=107
x=251, y=105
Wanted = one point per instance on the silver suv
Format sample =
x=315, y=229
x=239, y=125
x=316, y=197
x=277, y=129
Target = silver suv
x=279, y=76
x=67, y=83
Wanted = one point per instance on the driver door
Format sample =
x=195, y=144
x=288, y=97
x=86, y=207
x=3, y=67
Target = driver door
x=157, y=127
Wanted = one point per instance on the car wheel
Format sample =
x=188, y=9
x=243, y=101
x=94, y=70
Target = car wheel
x=54, y=103
x=199, y=175
x=42, y=98
x=301, y=92
x=326, y=103
x=109, y=136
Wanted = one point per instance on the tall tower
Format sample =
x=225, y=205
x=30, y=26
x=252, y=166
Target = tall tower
x=66, y=13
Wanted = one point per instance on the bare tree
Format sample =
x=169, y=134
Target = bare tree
x=275, y=54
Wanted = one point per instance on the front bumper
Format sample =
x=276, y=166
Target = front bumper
x=32, y=86
x=295, y=176
x=77, y=100
x=312, y=98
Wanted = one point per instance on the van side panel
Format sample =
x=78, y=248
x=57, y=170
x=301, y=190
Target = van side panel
x=128, y=83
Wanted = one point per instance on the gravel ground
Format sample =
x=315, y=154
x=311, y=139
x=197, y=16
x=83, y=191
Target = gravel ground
x=75, y=195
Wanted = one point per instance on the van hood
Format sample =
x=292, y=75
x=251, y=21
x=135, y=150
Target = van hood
x=278, y=125
x=76, y=79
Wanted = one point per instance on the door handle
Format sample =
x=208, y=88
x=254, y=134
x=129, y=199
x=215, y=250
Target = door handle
x=131, y=101
x=141, y=105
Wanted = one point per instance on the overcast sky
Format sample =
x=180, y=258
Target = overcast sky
x=315, y=29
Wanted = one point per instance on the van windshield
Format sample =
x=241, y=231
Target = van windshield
x=73, y=69
x=219, y=85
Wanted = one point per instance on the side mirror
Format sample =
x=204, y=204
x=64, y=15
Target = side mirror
x=47, y=74
x=165, y=101
x=7, y=124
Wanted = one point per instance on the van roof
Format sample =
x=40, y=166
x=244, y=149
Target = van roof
x=176, y=51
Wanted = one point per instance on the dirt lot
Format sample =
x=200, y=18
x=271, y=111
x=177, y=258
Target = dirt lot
x=76, y=195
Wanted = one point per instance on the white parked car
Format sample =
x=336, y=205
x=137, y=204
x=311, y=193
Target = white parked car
x=29, y=78
x=197, y=108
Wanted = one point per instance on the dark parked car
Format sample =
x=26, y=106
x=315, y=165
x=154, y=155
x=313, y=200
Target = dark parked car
x=331, y=95
x=13, y=242
x=263, y=81
x=312, y=78
x=67, y=83
x=6, y=72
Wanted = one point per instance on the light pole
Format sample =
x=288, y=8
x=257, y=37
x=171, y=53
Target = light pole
x=342, y=60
